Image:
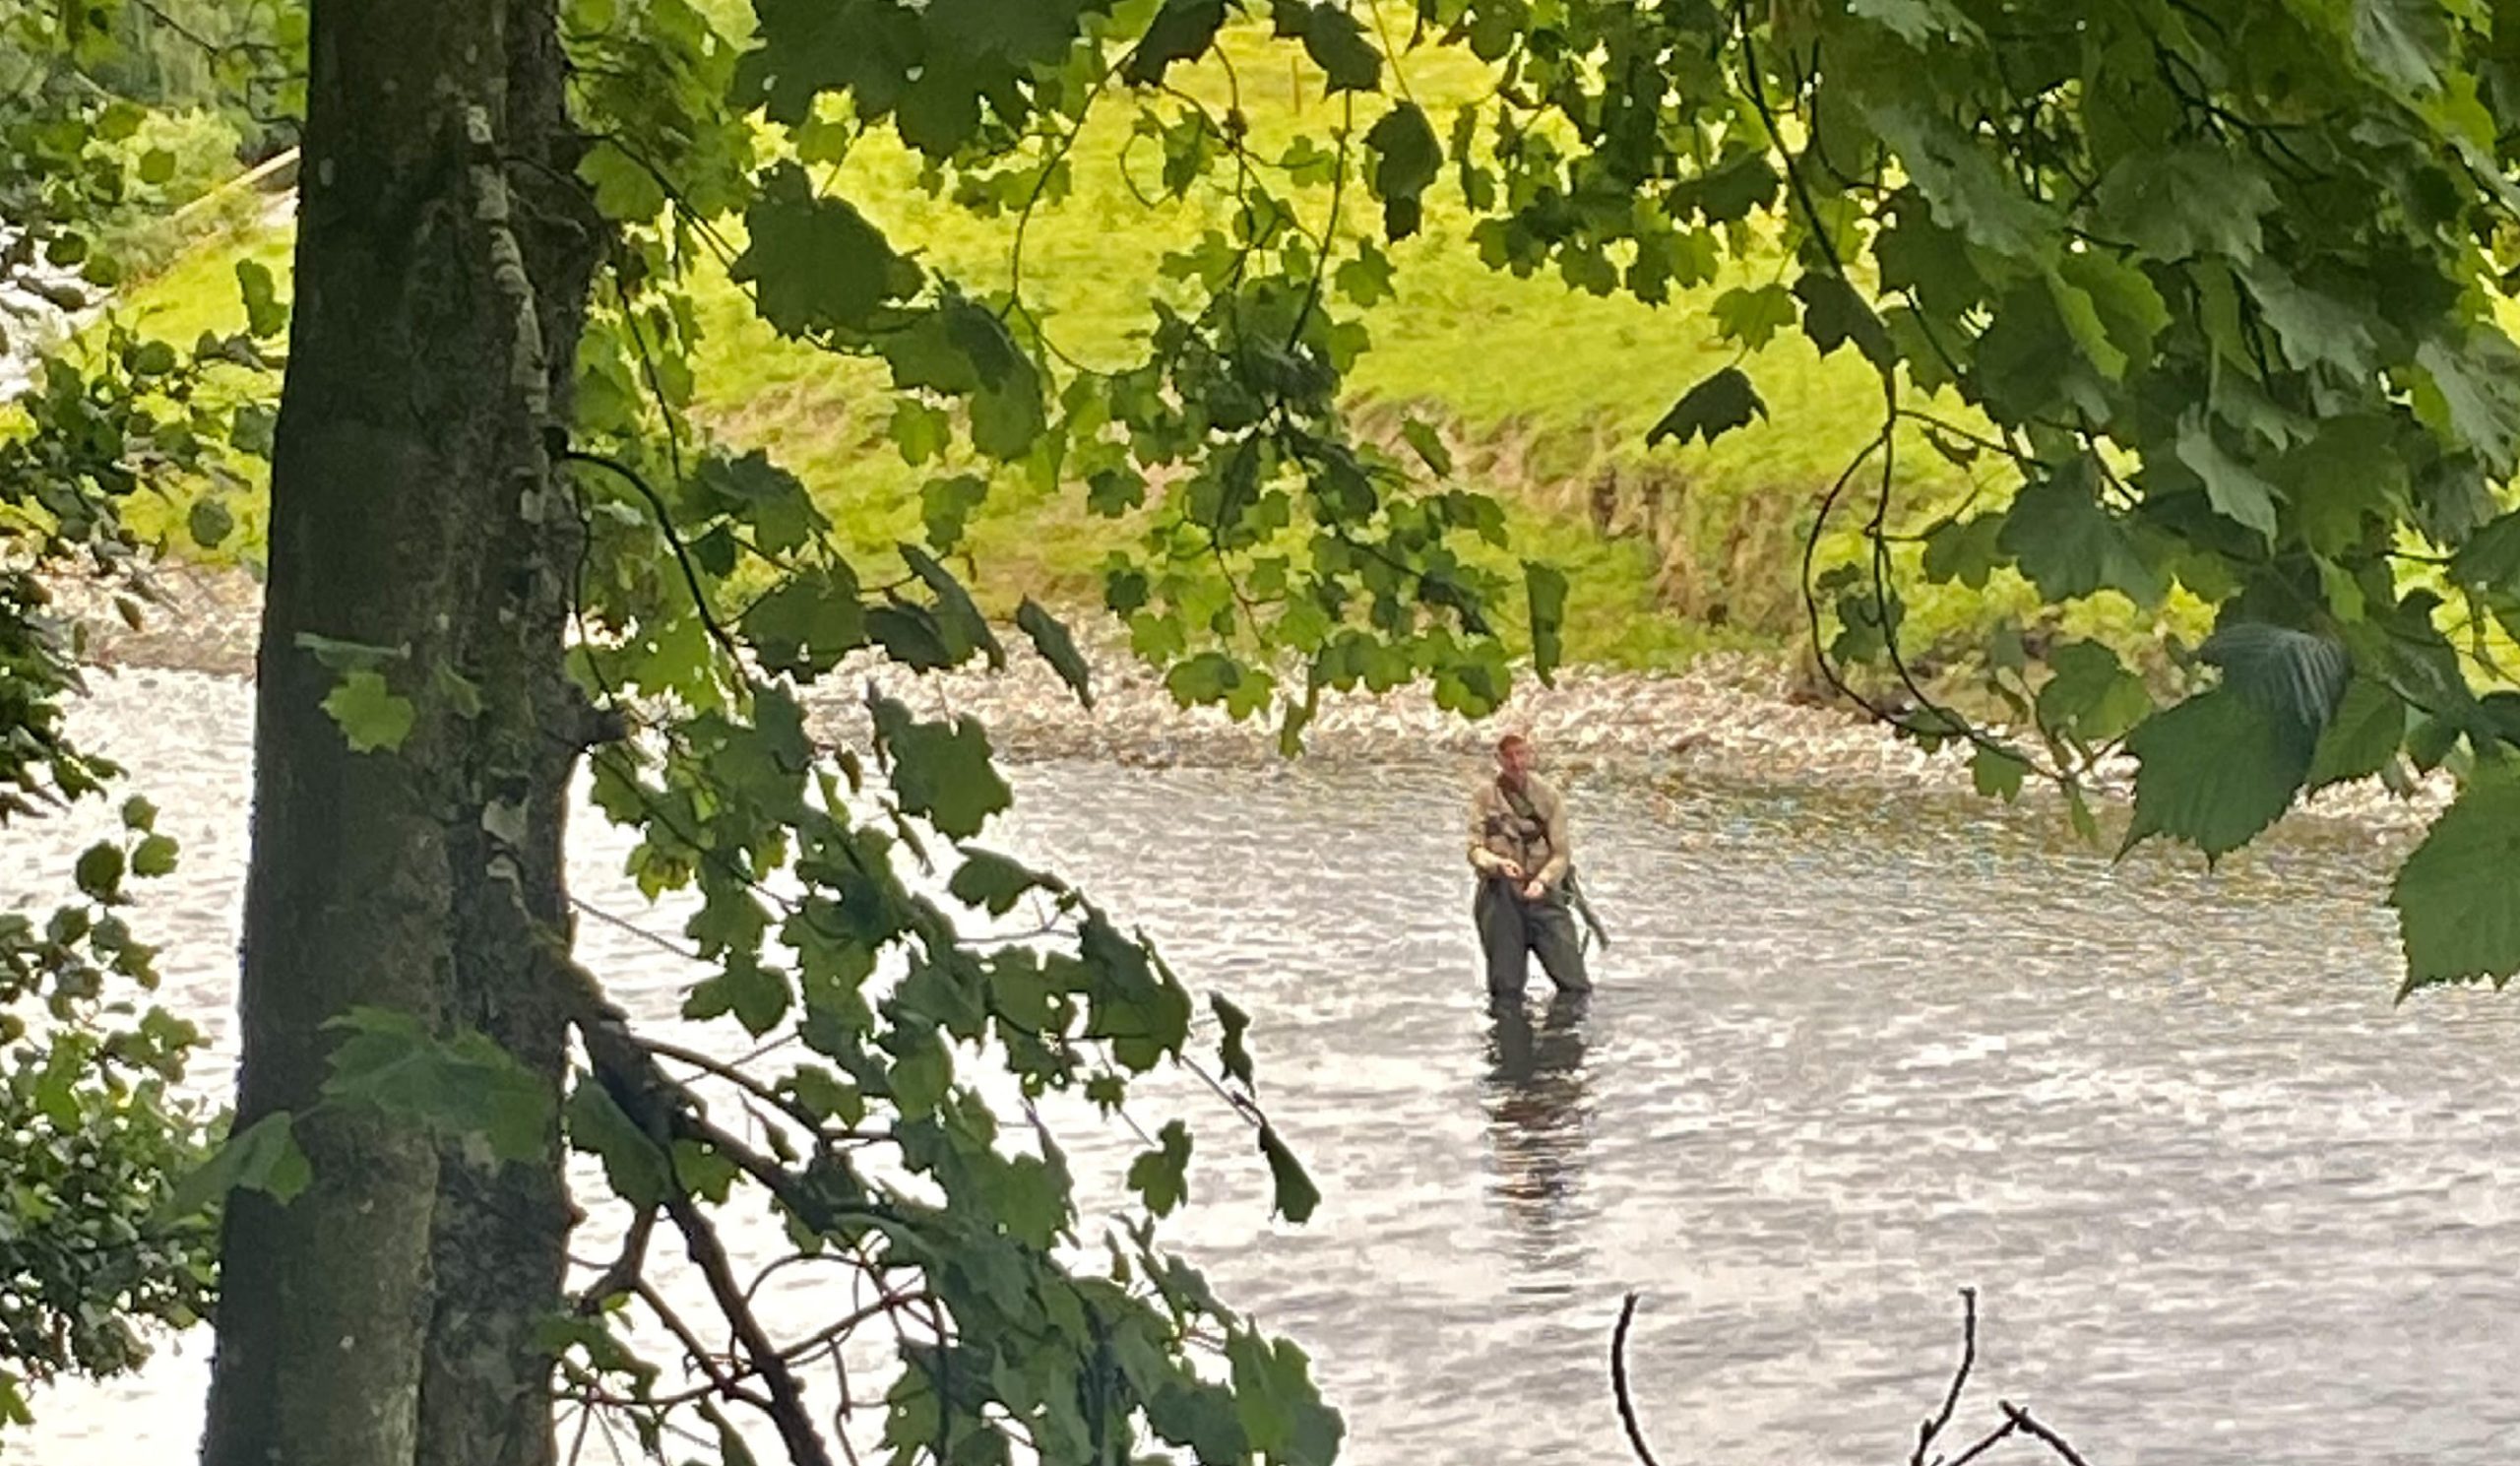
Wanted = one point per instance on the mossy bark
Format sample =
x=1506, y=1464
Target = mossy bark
x=384, y=1317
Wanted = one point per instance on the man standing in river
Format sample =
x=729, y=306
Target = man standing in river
x=1519, y=847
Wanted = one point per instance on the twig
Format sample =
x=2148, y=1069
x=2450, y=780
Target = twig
x=1618, y=1384
x=1932, y=1427
x=2020, y=1416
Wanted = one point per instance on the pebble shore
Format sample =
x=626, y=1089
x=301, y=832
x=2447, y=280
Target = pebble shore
x=1732, y=716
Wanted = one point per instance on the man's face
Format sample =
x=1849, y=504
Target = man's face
x=1515, y=759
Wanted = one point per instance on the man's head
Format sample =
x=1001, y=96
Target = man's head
x=1515, y=757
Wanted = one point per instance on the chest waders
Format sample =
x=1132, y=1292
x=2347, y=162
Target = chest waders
x=1512, y=929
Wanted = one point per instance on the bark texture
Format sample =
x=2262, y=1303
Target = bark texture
x=384, y=1317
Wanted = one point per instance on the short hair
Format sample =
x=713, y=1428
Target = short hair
x=1511, y=741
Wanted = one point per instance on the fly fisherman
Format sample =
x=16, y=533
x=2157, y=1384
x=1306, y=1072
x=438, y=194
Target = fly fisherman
x=1519, y=847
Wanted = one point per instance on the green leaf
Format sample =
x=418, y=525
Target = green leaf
x=157, y=166
x=209, y=521
x=99, y=871
x=1833, y=315
x=758, y=996
x=1997, y=772
x=2479, y=379
x=1966, y=550
x=2405, y=42
x=2069, y=545
x=1428, y=445
x=2091, y=695
x=2235, y=490
x=1924, y=23
x=1231, y=1048
x=2292, y=676
x=464, y=1086
x=154, y=856
x=2458, y=895
x=1713, y=408
x=263, y=1157
x=803, y=626
x=815, y=263
x=633, y=1164
x=1336, y=41
x=266, y=316
x=2367, y=732
x=1051, y=639
x=372, y=717
x=1280, y=1411
x=957, y=616
x=1545, y=588
x=2213, y=771
x=2194, y=199
x=941, y=770
x=920, y=432
x=1753, y=314
x=1182, y=30
x=1406, y=159
x=1296, y=1197
x=946, y=505
x=1161, y=1177
x=992, y=881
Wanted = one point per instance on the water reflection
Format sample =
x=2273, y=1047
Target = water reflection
x=1539, y=1112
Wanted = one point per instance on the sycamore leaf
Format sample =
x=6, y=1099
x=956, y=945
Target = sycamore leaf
x=2091, y=695
x=1545, y=587
x=1753, y=314
x=1181, y=31
x=1924, y=23
x=1713, y=408
x=263, y=1157
x=2232, y=487
x=957, y=616
x=464, y=1086
x=1833, y=315
x=1336, y=41
x=1051, y=639
x=941, y=770
x=371, y=715
x=2292, y=676
x=1997, y=772
x=265, y=314
x=633, y=1164
x=2479, y=379
x=2405, y=42
x=2214, y=771
x=1230, y=1049
x=2367, y=732
x=1160, y=1176
x=995, y=883
x=1295, y=1195
x=1407, y=159
x=2458, y=896
x=2069, y=544
x=816, y=264
x=2194, y=199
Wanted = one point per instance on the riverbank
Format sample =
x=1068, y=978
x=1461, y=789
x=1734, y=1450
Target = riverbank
x=1735, y=717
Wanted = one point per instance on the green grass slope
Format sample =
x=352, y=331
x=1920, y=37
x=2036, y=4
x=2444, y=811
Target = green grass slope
x=1546, y=391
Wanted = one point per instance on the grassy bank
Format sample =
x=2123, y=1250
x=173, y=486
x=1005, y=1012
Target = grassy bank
x=1546, y=392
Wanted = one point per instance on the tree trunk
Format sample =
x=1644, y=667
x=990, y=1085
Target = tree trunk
x=383, y=1317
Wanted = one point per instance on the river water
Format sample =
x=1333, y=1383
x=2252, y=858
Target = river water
x=2224, y=1202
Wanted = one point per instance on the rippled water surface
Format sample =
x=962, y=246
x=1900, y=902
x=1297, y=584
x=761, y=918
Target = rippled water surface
x=2223, y=1202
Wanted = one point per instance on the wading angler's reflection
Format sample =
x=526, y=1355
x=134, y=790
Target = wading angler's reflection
x=1539, y=1108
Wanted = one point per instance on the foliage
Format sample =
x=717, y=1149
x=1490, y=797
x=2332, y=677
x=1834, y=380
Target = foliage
x=2204, y=291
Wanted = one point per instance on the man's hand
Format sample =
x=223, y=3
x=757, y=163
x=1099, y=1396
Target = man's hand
x=1535, y=891
x=1510, y=871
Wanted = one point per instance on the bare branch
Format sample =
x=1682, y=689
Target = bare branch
x=1959, y=1379
x=1618, y=1384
